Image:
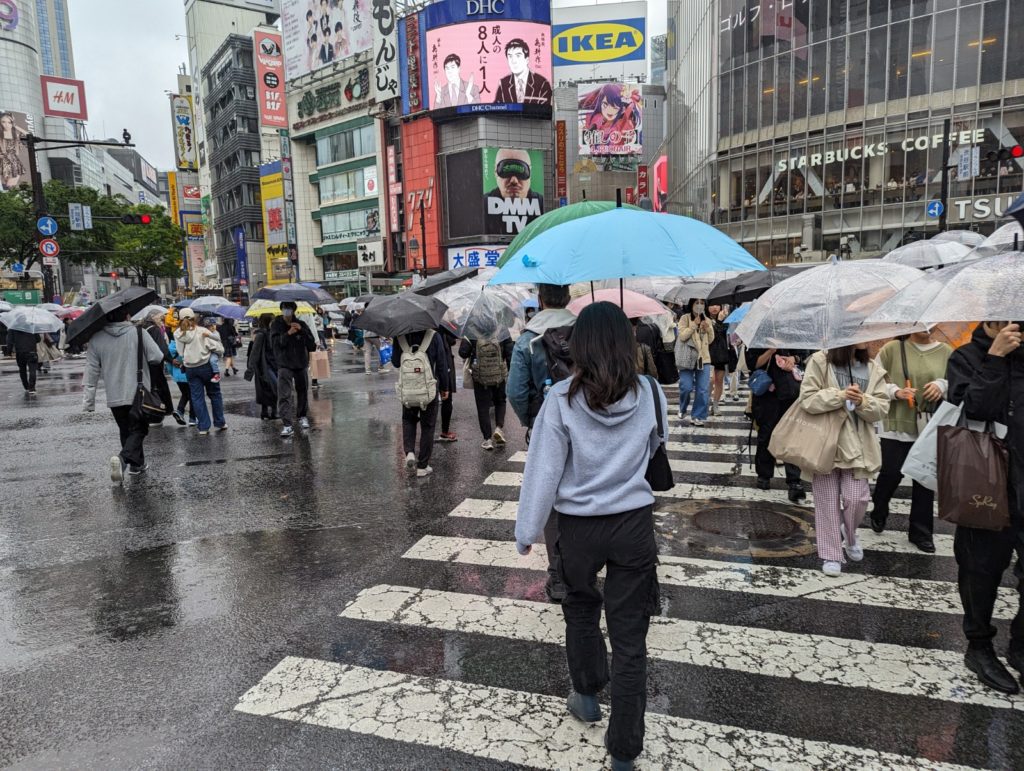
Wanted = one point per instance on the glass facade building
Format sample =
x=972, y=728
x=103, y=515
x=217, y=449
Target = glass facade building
x=829, y=120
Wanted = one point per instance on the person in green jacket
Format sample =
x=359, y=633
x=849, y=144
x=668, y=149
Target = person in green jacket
x=916, y=368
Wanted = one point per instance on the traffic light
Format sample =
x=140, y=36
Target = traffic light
x=1005, y=153
x=136, y=219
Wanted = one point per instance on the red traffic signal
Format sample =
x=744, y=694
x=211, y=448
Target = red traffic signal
x=1005, y=153
x=136, y=219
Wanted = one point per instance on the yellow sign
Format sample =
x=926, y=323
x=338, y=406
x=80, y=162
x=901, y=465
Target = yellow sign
x=195, y=230
x=599, y=41
x=274, y=233
x=172, y=187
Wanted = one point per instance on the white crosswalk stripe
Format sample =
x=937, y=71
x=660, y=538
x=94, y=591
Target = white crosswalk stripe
x=811, y=658
x=852, y=588
x=523, y=728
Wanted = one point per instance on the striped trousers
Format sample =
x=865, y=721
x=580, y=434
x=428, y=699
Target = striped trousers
x=839, y=500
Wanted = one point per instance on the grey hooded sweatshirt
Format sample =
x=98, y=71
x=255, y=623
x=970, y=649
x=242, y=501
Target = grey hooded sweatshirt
x=113, y=354
x=587, y=463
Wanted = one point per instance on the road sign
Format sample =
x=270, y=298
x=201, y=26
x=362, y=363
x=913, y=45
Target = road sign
x=51, y=261
x=47, y=226
x=17, y=268
x=935, y=209
x=49, y=248
x=87, y=216
x=75, y=216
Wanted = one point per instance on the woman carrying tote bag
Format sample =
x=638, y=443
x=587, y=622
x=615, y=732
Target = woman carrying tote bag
x=845, y=379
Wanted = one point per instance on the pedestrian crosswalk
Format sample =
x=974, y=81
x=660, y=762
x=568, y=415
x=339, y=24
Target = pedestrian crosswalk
x=884, y=634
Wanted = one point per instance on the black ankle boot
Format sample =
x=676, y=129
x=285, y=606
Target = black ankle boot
x=990, y=670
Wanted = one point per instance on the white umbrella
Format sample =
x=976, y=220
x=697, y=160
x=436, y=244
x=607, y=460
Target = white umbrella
x=148, y=311
x=825, y=307
x=928, y=254
x=209, y=303
x=1007, y=238
x=51, y=307
x=33, y=320
x=966, y=237
x=5, y=306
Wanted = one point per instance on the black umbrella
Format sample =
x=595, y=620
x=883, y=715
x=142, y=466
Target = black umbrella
x=751, y=285
x=401, y=314
x=130, y=300
x=445, y=279
x=294, y=292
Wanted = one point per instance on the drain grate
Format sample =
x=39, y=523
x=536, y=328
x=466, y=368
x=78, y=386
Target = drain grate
x=753, y=523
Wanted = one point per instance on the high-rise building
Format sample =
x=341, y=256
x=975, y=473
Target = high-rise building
x=55, y=51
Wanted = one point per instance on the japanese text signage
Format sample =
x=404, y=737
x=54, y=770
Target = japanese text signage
x=561, y=163
x=610, y=119
x=63, y=98
x=270, y=78
x=184, y=132
x=326, y=102
x=384, y=78
x=475, y=256
x=275, y=238
x=643, y=181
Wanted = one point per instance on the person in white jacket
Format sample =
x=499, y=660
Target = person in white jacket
x=196, y=345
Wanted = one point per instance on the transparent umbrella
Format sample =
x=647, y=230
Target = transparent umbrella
x=965, y=237
x=825, y=307
x=928, y=254
x=33, y=320
x=1007, y=238
x=496, y=315
x=148, y=311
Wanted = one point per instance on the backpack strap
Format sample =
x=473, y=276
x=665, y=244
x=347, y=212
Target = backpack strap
x=652, y=384
x=403, y=343
x=138, y=342
x=428, y=338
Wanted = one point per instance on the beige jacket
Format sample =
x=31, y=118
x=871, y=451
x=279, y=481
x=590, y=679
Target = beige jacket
x=690, y=333
x=859, y=448
x=196, y=346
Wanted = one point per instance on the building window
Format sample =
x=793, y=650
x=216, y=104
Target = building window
x=345, y=145
x=338, y=188
x=350, y=225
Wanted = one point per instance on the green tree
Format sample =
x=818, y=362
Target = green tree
x=149, y=251
x=17, y=227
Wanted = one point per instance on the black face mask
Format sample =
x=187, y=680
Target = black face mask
x=512, y=167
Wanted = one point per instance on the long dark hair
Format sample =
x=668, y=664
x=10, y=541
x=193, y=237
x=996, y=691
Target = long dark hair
x=844, y=357
x=603, y=349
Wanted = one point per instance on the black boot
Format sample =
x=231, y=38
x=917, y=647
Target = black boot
x=990, y=670
x=764, y=484
x=878, y=519
x=796, y=493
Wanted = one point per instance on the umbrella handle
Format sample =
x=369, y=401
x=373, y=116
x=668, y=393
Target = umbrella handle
x=911, y=400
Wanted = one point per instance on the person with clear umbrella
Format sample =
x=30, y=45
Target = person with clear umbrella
x=26, y=329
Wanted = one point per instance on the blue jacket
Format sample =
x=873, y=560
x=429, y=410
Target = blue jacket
x=529, y=367
x=177, y=373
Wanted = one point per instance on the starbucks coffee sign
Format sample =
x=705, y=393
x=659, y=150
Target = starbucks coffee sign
x=858, y=152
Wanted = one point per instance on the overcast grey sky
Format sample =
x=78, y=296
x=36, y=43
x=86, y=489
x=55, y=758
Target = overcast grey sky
x=126, y=53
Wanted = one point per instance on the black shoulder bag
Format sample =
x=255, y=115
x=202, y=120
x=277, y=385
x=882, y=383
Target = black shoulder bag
x=659, y=472
x=147, y=406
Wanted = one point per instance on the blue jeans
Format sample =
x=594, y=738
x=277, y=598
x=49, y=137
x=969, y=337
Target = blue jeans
x=699, y=380
x=200, y=380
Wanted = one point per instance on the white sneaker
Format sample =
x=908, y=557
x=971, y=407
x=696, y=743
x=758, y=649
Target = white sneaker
x=856, y=551
x=410, y=460
x=830, y=568
x=424, y=472
x=698, y=423
x=499, y=436
x=735, y=397
x=304, y=423
x=287, y=431
x=116, y=469
x=488, y=444
x=680, y=414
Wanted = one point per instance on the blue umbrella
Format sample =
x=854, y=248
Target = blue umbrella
x=737, y=315
x=182, y=304
x=624, y=243
x=236, y=312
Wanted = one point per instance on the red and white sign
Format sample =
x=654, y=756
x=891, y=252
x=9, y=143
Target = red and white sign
x=370, y=181
x=394, y=190
x=48, y=247
x=270, y=78
x=190, y=192
x=642, y=182
x=561, y=163
x=629, y=195
x=63, y=98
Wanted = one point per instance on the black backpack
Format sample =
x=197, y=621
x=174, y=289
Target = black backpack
x=665, y=361
x=555, y=342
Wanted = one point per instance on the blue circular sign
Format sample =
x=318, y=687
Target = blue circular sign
x=935, y=209
x=47, y=226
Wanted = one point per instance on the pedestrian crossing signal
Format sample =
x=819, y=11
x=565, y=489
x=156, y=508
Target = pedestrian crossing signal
x=136, y=219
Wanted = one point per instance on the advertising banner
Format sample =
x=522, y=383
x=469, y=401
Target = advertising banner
x=197, y=262
x=462, y=203
x=320, y=32
x=274, y=236
x=660, y=180
x=270, y=78
x=63, y=98
x=475, y=256
x=184, y=132
x=409, y=37
x=14, y=153
x=605, y=41
x=610, y=119
x=384, y=77
x=642, y=182
x=489, y=67
x=241, y=256
x=172, y=196
x=561, y=163
x=513, y=188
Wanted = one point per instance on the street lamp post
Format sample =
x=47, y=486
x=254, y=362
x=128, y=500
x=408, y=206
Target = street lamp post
x=423, y=237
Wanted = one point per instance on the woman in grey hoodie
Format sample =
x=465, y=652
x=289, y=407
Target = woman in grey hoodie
x=591, y=444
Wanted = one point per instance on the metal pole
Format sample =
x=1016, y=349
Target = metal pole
x=944, y=191
x=39, y=201
x=423, y=238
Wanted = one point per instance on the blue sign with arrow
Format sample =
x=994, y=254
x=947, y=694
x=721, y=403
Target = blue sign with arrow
x=935, y=209
x=47, y=226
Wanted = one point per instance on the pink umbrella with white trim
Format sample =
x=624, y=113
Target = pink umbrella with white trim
x=632, y=303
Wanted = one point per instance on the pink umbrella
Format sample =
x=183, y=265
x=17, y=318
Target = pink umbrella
x=633, y=303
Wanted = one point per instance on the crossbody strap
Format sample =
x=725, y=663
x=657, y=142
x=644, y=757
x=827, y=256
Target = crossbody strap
x=651, y=382
x=138, y=340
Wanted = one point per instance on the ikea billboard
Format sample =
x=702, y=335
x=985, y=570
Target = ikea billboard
x=599, y=41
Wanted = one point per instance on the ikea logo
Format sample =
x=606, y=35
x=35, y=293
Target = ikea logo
x=598, y=42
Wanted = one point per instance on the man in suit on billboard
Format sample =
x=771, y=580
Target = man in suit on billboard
x=523, y=86
x=455, y=91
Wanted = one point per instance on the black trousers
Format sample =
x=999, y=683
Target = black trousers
x=768, y=412
x=133, y=434
x=487, y=397
x=28, y=364
x=624, y=544
x=447, y=408
x=185, y=400
x=982, y=556
x=922, y=501
x=426, y=419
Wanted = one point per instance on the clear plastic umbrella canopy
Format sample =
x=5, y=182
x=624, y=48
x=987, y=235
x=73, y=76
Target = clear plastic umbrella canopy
x=928, y=254
x=988, y=289
x=965, y=237
x=1006, y=239
x=148, y=311
x=497, y=314
x=33, y=320
x=825, y=307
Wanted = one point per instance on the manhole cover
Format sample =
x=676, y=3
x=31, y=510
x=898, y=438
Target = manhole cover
x=750, y=522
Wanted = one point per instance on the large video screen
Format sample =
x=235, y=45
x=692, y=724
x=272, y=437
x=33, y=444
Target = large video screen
x=513, y=188
x=320, y=32
x=610, y=119
x=488, y=66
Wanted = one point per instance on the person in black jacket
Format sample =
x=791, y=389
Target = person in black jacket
x=448, y=339
x=489, y=395
x=261, y=368
x=768, y=410
x=24, y=345
x=292, y=342
x=425, y=418
x=722, y=357
x=153, y=325
x=986, y=376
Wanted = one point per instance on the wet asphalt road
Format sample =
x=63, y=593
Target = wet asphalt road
x=131, y=620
